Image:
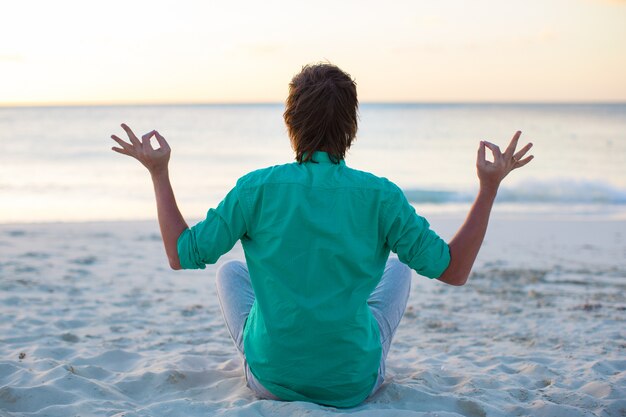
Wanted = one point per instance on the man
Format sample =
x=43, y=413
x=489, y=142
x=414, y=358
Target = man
x=315, y=306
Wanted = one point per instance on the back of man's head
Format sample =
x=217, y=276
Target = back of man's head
x=321, y=111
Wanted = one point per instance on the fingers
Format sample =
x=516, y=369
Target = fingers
x=522, y=151
x=145, y=140
x=481, y=159
x=131, y=135
x=124, y=145
x=162, y=142
x=148, y=135
x=142, y=150
x=494, y=149
x=508, y=154
x=523, y=162
x=519, y=162
x=121, y=150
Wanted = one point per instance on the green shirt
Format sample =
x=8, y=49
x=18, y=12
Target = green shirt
x=316, y=237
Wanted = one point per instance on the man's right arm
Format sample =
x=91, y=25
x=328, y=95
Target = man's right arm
x=465, y=245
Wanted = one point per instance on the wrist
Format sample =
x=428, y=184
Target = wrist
x=488, y=190
x=158, y=173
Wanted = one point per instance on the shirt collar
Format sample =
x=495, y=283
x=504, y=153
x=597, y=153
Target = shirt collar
x=323, y=158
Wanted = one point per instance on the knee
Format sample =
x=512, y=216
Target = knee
x=398, y=268
x=400, y=272
x=230, y=270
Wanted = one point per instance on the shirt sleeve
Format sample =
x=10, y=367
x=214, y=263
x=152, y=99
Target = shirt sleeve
x=205, y=242
x=410, y=237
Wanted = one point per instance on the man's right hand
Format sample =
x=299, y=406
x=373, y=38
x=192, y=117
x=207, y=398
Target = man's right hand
x=490, y=173
x=465, y=245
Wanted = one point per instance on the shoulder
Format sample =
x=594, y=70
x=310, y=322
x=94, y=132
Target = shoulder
x=344, y=177
x=371, y=181
x=271, y=174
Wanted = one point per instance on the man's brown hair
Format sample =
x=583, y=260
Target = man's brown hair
x=321, y=112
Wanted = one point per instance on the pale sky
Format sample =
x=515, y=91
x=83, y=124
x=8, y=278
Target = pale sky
x=182, y=51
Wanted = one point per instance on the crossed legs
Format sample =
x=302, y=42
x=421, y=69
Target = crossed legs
x=387, y=303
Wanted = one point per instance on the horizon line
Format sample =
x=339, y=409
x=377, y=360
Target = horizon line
x=272, y=103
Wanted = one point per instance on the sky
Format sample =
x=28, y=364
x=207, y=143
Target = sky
x=183, y=51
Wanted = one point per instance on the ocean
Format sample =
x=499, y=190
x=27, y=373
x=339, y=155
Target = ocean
x=56, y=163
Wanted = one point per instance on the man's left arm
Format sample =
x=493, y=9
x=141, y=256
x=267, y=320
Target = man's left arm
x=171, y=221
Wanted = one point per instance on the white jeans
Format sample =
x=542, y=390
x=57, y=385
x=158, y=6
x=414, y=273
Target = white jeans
x=387, y=303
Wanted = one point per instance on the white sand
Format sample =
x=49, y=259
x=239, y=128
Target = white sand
x=92, y=322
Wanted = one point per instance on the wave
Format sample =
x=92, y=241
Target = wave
x=558, y=191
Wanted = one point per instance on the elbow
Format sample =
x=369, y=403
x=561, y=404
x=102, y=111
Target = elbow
x=175, y=264
x=457, y=280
